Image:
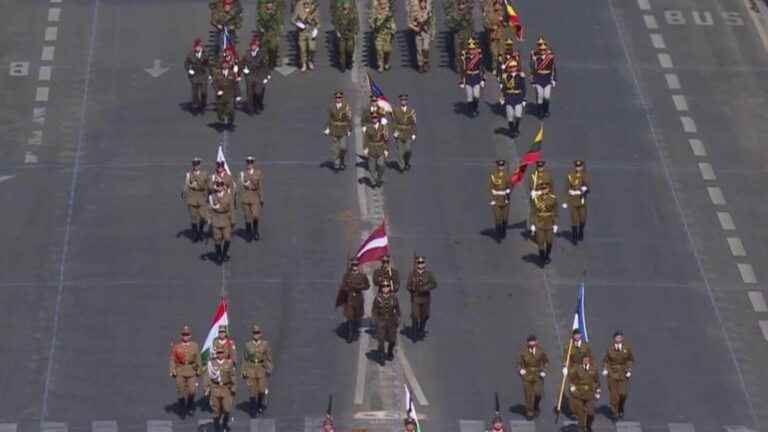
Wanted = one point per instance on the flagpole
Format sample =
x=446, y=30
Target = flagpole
x=558, y=408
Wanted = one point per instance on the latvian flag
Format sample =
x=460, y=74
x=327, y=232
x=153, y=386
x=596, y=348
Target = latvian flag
x=379, y=95
x=220, y=318
x=530, y=158
x=514, y=20
x=375, y=246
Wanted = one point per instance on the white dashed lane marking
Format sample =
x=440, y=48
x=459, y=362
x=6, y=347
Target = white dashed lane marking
x=758, y=301
x=45, y=73
x=726, y=221
x=689, y=125
x=650, y=22
x=104, y=426
x=624, y=426
x=764, y=328
x=697, y=147
x=716, y=195
x=657, y=40
x=681, y=104
x=665, y=60
x=47, y=54
x=51, y=34
x=41, y=94
x=644, y=4
x=680, y=427
x=54, y=14
x=673, y=82
x=737, y=247
x=707, y=173
x=747, y=273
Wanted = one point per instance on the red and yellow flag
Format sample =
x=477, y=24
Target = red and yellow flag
x=514, y=20
x=529, y=158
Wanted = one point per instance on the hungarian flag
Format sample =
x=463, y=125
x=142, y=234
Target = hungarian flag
x=533, y=155
x=579, y=317
x=514, y=20
x=379, y=95
x=220, y=318
x=410, y=408
x=375, y=246
x=220, y=158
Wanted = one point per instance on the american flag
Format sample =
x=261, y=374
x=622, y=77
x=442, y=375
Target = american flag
x=379, y=95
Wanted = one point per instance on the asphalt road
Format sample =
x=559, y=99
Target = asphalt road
x=98, y=275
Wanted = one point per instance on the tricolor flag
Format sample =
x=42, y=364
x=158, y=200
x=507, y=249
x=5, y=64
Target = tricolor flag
x=410, y=408
x=514, y=20
x=227, y=44
x=375, y=246
x=219, y=318
x=533, y=155
x=379, y=95
x=220, y=158
x=579, y=317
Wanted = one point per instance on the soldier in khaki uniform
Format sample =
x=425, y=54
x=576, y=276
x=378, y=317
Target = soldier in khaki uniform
x=225, y=342
x=499, y=187
x=578, y=188
x=185, y=367
x=544, y=221
x=376, y=148
x=197, y=65
x=539, y=176
x=404, y=119
x=220, y=174
x=257, y=367
x=366, y=118
x=351, y=297
x=195, y=195
x=617, y=367
x=421, y=282
x=307, y=20
x=383, y=27
x=386, y=313
x=532, y=366
x=221, y=388
x=422, y=24
x=584, y=388
x=251, y=198
x=339, y=127
x=579, y=349
x=225, y=83
x=386, y=273
x=220, y=214
x=347, y=27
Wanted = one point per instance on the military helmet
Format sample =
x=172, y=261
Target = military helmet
x=541, y=42
x=472, y=43
x=250, y=160
x=196, y=161
x=531, y=338
x=578, y=163
x=500, y=163
x=338, y=94
x=540, y=163
x=403, y=97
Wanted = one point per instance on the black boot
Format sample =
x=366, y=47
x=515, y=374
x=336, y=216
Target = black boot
x=477, y=107
x=542, y=257
x=380, y=353
x=350, y=330
x=499, y=234
x=342, y=157
x=539, y=110
x=423, y=329
x=200, y=230
x=219, y=255
x=262, y=403
x=182, y=408
x=256, y=235
x=512, y=133
x=574, y=235
x=217, y=424
x=225, y=251
x=191, y=405
x=581, y=231
x=414, y=328
x=194, y=233
x=253, y=407
x=549, y=251
x=390, y=351
x=248, y=232
x=517, y=126
x=225, y=422
x=407, y=160
x=546, y=107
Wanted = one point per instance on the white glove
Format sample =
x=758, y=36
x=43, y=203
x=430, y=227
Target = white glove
x=605, y=372
x=573, y=192
x=554, y=228
x=384, y=121
x=565, y=370
x=565, y=205
x=396, y=134
x=533, y=228
x=413, y=137
x=554, y=84
x=542, y=374
x=191, y=72
x=264, y=81
x=365, y=152
x=482, y=83
x=583, y=188
x=533, y=194
x=573, y=388
x=219, y=93
x=628, y=374
x=314, y=33
x=349, y=133
x=300, y=25
x=597, y=394
x=246, y=70
x=386, y=154
x=461, y=85
x=327, y=131
x=493, y=203
x=338, y=34
x=522, y=372
x=238, y=99
x=501, y=100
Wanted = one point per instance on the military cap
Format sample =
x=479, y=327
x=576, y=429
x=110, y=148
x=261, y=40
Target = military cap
x=198, y=43
x=501, y=163
x=618, y=333
x=338, y=94
x=531, y=338
x=328, y=421
x=220, y=164
x=196, y=161
x=541, y=41
x=255, y=41
x=409, y=421
x=219, y=350
x=509, y=43
x=385, y=258
x=186, y=330
x=578, y=163
x=354, y=261
x=222, y=328
x=513, y=64
x=472, y=43
x=256, y=329
x=403, y=97
x=540, y=163
x=576, y=331
x=497, y=419
x=375, y=115
x=249, y=160
x=420, y=260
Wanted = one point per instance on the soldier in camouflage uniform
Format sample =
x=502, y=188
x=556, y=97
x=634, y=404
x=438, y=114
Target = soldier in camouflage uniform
x=225, y=83
x=346, y=24
x=404, y=119
x=458, y=14
x=422, y=23
x=269, y=21
x=255, y=67
x=216, y=4
x=339, y=127
x=386, y=313
x=198, y=69
x=383, y=27
x=257, y=367
x=195, y=194
x=227, y=15
x=307, y=20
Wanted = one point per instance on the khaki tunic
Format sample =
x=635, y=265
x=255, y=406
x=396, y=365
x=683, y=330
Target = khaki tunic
x=577, y=354
x=251, y=197
x=228, y=345
x=584, y=385
x=539, y=177
x=339, y=120
x=354, y=283
x=576, y=198
x=222, y=386
x=420, y=285
x=618, y=363
x=544, y=216
x=185, y=366
x=366, y=116
x=220, y=214
x=196, y=194
x=386, y=312
x=533, y=363
x=499, y=187
x=376, y=141
x=257, y=363
x=387, y=273
x=404, y=123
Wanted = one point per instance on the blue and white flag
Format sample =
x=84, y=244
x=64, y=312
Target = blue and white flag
x=376, y=92
x=220, y=158
x=580, y=317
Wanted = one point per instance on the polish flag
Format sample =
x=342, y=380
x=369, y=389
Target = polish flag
x=375, y=246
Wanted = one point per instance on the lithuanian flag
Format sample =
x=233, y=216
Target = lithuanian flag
x=529, y=158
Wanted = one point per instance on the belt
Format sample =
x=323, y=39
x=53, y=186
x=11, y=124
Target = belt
x=543, y=71
x=340, y=123
x=545, y=214
x=472, y=72
x=185, y=363
x=514, y=91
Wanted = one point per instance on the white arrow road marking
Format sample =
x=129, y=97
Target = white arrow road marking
x=4, y=178
x=157, y=69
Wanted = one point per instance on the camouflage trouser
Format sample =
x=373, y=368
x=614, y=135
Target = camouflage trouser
x=225, y=108
x=199, y=94
x=186, y=385
x=271, y=44
x=423, y=40
x=383, y=44
x=578, y=215
x=307, y=46
x=346, y=51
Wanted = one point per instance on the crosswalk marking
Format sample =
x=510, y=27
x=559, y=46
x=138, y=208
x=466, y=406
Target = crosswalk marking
x=263, y=425
x=8, y=427
x=104, y=426
x=54, y=427
x=680, y=427
x=623, y=426
x=471, y=426
x=737, y=429
x=159, y=426
x=522, y=426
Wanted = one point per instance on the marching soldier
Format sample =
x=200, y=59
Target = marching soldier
x=225, y=342
x=373, y=107
x=404, y=118
x=383, y=28
x=256, y=71
x=459, y=17
x=386, y=273
x=220, y=214
x=185, y=367
x=497, y=424
x=197, y=65
x=195, y=194
x=257, y=367
x=579, y=349
x=421, y=282
x=225, y=83
x=543, y=74
x=584, y=388
x=617, y=367
x=339, y=128
x=307, y=20
x=510, y=54
x=422, y=24
x=269, y=21
x=386, y=313
x=410, y=424
x=544, y=221
x=216, y=4
x=227, y=16
x=532, y=366
x=376, y=149
x=493, y=18
x=472, y=75
x=347, y=27
x=252, y=198
x=512, y=84
x=351, y=296
x=498, y=183
x=221, y=388
x=538, y=177
x=578, y=188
